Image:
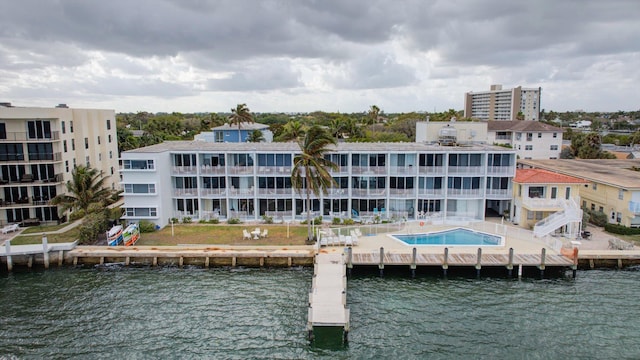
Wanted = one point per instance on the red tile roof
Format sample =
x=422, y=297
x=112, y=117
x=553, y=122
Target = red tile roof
x=539, y=176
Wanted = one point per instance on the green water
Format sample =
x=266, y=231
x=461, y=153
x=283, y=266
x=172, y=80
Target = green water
x=261, y=313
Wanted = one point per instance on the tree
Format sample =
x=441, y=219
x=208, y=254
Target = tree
x=240, y=115
x=374, y=112
x=293, y=130
x=255, y=136
x=310, y=168
x=85, y=188
x=520, y=115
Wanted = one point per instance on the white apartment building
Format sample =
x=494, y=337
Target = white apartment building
x=530, y=139
x=503, y=104
x=204, y=180
x=39, y=147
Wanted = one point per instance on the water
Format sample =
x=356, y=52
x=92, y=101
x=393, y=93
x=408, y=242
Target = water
x=257, y=313
x=451, y=237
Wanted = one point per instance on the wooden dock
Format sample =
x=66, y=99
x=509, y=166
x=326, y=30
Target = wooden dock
x=8, y=252
x=328, y=313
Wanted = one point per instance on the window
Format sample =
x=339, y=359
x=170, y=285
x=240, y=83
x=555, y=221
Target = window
x=98, y=140
x=141, y=212
x=112, y=171
x=99, y=156
x=536, y=192
x=109, y=138
x=108, y=124
x=71, y=126
x=74, y=163
x=601, y=209
x=64, y=145
x=138, y=164
x=139, y=188
x=528, y=147
x=593, y=207
x=567, y=193
x=110, y=154
x=518, y=136
x=87, y=161
x=553, y=147
x=64, y=128
x=66, y=165
x=529, y=136
x=555, y=135
x=618, y=218
x=539, y=135
x=86, y=143
x=73, y=144
x=621, y=194
x=219, y=136
x=554, y=192
x=529, y=215
x=594, y=186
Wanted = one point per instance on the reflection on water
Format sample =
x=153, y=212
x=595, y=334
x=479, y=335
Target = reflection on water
x=262, y=313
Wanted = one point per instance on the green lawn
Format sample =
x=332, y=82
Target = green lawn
x=221, y=234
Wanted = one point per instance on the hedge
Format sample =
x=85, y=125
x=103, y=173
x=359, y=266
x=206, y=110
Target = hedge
x=622, y=230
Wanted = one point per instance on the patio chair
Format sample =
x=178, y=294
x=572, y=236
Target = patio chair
x=264, y=234
x=246, y=235
x=358, y=232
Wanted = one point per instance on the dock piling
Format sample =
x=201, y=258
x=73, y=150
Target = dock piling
x=381, y=264
x=445, y=262
x=413, y=263
x=45, y=252
x=479, y=262
x=349, y=261
x=7, y=249
x=510, y=264
x=542, y=260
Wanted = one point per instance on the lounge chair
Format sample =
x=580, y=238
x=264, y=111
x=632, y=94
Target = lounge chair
x=264, y=234
x=245, y=234
x=10, y=228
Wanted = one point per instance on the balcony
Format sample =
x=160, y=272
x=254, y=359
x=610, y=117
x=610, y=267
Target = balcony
x=368, y=192
x=543, y=204
x=271, y=192
x=501, y=193
x=337, y=193
x=341, y=170
x=464, y=193
x=501, y=170
x=240, y=170
x=213, y=192
x=402, y=193
x=369, y=170
x=193, y=192
x=431, y=170
x=274, y=170
x=466, y=170
x=212, y=170
x=242, y=191
x=402, y=170
x=23, y=136
x=431, y=192
x=185, y=170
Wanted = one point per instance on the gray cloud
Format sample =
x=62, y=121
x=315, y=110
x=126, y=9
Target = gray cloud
x=258, y=77
x=375, y=71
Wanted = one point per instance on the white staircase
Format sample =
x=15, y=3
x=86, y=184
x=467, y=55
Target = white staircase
x=571, y=213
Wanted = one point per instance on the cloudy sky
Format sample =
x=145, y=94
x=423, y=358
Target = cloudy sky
x=307, y=55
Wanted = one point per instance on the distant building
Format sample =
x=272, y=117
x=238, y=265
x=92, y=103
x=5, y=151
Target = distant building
x=503, y=104
x=40, y=147
x=530, y=139
x=233, y=134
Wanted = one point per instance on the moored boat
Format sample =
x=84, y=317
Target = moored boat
x=131, y=234
x=114, y=236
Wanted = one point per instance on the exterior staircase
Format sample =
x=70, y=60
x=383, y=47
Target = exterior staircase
x=571, y=213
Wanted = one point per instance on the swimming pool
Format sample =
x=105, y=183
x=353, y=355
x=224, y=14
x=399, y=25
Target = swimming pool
x=452, y=237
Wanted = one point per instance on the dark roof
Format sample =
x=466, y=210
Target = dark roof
x=521, y=125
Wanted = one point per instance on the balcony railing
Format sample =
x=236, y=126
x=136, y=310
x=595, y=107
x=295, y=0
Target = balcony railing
x=369, y=170
x=193, y=192
x=402, y=170
x=274, y=170
x=240, y=170
x=543, y=203
x=241, y=191
x=499, y=192
x=212, y=170
x=368, y=192
x=466, y=169
x=337, y=192
x=402, y=192
x=431, y=192
x=341, y=170
x=213, y=192
x=431, y=170
x=464, y=192
x=274, y=192
x=500, y=170
x=185, y=170
x=24, y=136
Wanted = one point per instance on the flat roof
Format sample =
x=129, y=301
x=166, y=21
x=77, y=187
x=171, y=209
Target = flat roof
x=293, y=147
x=614, y=172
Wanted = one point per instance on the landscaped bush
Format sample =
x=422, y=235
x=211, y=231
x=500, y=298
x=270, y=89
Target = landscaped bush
x=336, y=221
x=186, y=220
x=348, y=222
x=597, y=218
x=174, y=220
x=146, y=226
x=76, y=215
x=234, y=221
x=622, y=230
x=210, y=221
x=267, y=219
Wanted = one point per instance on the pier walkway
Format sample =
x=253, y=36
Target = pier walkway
x=328, y=297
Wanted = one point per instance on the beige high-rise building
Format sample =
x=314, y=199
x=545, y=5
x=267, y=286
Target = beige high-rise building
x=503, y=104
x=39, y=147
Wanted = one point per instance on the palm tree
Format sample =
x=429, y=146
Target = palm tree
x=311, y=169
x=374, y=112
x=255, y=136
x=293, y=130
x=85, y=188
x=239, y=115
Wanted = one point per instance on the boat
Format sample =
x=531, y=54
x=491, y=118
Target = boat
x=114, y=236
x=131, y=234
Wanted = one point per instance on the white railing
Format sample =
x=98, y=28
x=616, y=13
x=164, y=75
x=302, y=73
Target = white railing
x=500, y=170
x=240, y=170
x=367, y=192
x=466, y=169
x=570, y=213
x=213, y=192
x=402, y=170
x=464, y=192
x=241, y=191
x=185, y=170
x=212, y=170
x=279, y=191
x=437, y=170
x=369, y=170
x=543, y=203
x=185, y=192
x=499, y=192
x=402, y=192
x=434, y=192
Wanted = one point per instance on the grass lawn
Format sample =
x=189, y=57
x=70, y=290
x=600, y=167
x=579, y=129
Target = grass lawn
x=634, y=239
x=224, y=235
x=204, y=234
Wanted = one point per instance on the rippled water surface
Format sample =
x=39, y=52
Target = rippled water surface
x=261, y=313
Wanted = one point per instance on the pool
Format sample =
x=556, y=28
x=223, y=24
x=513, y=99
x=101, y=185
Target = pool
x=457, y=236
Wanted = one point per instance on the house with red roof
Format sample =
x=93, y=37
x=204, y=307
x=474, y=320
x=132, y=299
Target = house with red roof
x=546, y=202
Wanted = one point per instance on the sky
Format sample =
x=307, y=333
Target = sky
x=317, y=55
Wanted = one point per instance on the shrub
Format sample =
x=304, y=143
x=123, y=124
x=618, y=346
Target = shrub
x=174, y=220
x=78, y=214
x=597, y=218
x=186, y=220
x=234, y=221
x=622, y=230
x=348, y=222
x=210, y=221
x=267, y=219
x=146, y=226
x=336, y=221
